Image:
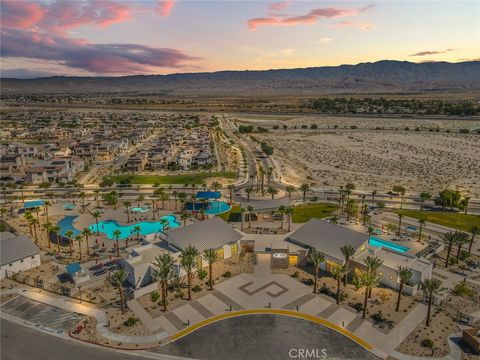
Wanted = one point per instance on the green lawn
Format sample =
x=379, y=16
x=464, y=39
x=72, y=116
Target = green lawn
x=456, y=221
x=303, y=213
x=194, y=178
x=226, y=215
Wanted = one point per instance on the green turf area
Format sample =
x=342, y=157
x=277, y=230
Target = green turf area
x=226, y=215
x=194, y=178
x=303, y=213
x=456, y=221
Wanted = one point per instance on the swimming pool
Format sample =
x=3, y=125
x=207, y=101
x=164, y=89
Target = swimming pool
x=69, y=206
x=33, y=204
x=146, y=227
x=212, y=207
x=138, y=209
x=373, y=241
x=67, y=224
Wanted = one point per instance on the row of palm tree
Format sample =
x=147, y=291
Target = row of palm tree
x=458, y=238
x=368, y=278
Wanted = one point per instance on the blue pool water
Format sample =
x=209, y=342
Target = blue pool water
x=33, y=204
x=146, y=227
x=67, y=224
x=137, y=209
x=69, y=206
x=212, y=207
x=373, y=241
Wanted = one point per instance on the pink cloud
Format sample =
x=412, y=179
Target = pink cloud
x=310, y=18
x=356, y=25
x=164, y=7
x=20, y=14
x=96, y=58
x=280, y=5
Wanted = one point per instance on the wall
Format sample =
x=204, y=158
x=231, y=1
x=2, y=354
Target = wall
x=19, y=266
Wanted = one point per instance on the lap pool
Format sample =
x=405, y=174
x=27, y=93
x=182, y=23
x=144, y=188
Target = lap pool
x=376, y=242
x=146, y=227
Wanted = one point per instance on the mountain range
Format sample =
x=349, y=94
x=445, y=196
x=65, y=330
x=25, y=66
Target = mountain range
x=382, y=76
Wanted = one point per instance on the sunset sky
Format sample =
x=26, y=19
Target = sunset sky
x=113, y=38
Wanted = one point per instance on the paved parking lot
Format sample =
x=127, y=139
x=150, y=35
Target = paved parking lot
x=44, y=316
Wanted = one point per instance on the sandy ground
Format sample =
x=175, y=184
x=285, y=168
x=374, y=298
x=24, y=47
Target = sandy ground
x=377, y=154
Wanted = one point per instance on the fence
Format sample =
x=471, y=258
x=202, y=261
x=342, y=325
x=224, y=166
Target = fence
x=59, y=289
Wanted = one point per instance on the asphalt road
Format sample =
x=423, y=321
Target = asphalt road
x=265, y=337
x=19, y=342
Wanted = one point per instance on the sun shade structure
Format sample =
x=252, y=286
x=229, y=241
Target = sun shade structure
x=209, y=195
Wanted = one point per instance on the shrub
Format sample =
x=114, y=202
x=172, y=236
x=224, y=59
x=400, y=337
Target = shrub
x=227, y=274
x=196, y=288
x=202, y=274
x=358, y=306
x=464, y=131
x=308, y=282
x=304, y=126
x=378, y=316
x=179, y=294
x=131, y=321
x=427, y=343
x=324, y=289
x=353, y=127
x=154, y=296
x=314, y=126
x=295, y=274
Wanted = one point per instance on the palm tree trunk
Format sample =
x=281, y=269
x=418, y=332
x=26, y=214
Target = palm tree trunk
x=339, y=281
x=58, y=242
x=448, y=255
x=164, y=296
x=80, y=250
x=315, y=282
x=98, y=230
x=471, y=244
x=210, y=276
x=36, y=237
x=88, y=248
x=399, y=296
x=118, y=249
x=189, y=281
x=430, y=299
x=459, y=251
x=365, y=303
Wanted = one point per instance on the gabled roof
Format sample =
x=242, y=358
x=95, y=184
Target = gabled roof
x=15, y=247
x=213, y=233
x=327, y=237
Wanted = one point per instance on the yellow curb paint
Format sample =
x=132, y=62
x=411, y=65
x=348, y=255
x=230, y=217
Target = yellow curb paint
x=296, y=314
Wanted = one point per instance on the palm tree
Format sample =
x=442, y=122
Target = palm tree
x=3, y=211
x=230, y=188
x=347, y=251
x=140, y=198
x=48, y=228
x=210, y=256
x=400, y=216
x=79, y=239
x=281, y=210
x=216, y=186
x=290, y=189
x=289, y=212
x=22, y=194
x=405, y=274
x=82, y=195
x=304, y=188
x=96, y=196
x=56, y=230
x=117, y=279
x=188, y=260
x=474, y=230
x=462, y=239
x=86, y=232
x=272, y=191
x=34, y=223
x=374, y=192
x=250, y=211
x=242, y=217
x=449, y=239
x=422, y=225
x=28, y=216
x=368, y=281
x=68, y=235
x=96, y=214
x=339, y=271
x=424, y=196
x=430, y=288
x=137, y=230
x=465, y=202
x=401, y=190
x=373, y=263
x=46, y=205
x=316, y=258
x=184, y=217
x=248, y=191
x=116, y=234
x=127, y=205
x=262, y=179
